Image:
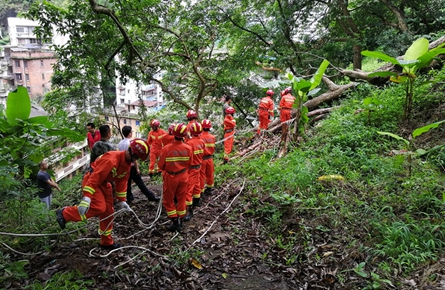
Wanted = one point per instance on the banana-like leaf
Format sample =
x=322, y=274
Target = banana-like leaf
x=380, y=55
x=382, y=74
x=18, y=105
x=304, y=86
x=417, y=49
x=428, y=57
x=313, y=92
x=424, y=129
x=394, y=136
x=318, y=76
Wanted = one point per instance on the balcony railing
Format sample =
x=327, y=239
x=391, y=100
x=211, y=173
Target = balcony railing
x=79, y=163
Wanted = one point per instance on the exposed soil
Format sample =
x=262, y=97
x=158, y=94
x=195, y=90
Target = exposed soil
x=225, y=246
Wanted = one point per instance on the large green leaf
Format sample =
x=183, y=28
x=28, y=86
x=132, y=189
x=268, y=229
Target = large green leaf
x=72, y=135
x=318, y=76
x=304, y=86
x=380, y=55
x=424, y=129
x=18, y=105
x=394, y=136
x=428, y=57
x=418, y=48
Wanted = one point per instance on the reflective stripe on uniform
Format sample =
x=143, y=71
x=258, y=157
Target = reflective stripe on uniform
x=89, y=189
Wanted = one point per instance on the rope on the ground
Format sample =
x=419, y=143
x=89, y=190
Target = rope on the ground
x=223, y=212
x=21, y=253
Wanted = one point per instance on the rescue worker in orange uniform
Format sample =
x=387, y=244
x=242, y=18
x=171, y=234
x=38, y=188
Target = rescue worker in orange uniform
x=285, y=107
x=229, y=132
x=168, y=137
x=97, y=201
x=174, y=162
x=192, y=117
x=155, y=141
x=265, y=111
x=194, y=193
x=207, y=166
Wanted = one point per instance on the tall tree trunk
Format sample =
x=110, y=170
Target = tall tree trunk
x=357, y=58
x=399, y=13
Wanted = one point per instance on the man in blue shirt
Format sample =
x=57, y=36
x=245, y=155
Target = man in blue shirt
x=45, y=184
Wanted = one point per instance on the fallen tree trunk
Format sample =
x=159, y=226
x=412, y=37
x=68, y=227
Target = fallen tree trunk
x=334, y=92
x=362, y=75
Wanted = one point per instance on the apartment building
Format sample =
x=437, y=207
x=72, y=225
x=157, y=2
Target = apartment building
x=128, y=96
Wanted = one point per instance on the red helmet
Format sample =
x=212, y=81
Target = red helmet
x=191, y=114
x=230, y=110
x=140, y=148
x=170, y=128
x=269, y=93
x=206, y=124
x=180, y=130
x=287, y=90
x=195, y=129
x=155, y=123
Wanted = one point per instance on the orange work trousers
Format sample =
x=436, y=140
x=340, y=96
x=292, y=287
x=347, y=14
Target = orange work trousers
x=154, y=157
x=207, y=173
x=228, y=144
x=264, y=119
x=101, y=206
x=175, y=185
x=194, y=190
x=284, y=115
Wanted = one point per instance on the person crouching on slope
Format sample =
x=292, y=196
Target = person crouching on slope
x=194, y=190
x=174, y=162
x=97, y=201
x=207, y=167
x=155, y=141
x=229, y=132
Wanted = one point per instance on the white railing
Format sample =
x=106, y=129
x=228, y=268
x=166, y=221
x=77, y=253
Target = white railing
x=79, y=163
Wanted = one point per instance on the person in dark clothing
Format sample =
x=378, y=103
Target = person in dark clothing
x=45, y=184
x=135, y=174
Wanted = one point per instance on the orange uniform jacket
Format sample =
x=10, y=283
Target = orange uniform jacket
x=265, y=109
x=207, y=167
x=229, y=130
x=109, y=167
x=167, y=139
x=194, y=191
x=286, y=103
x=155, y=139
x=174, y=162
x=155, y=142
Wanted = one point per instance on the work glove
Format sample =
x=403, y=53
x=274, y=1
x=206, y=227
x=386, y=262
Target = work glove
x=123, y=205
x=83, y=207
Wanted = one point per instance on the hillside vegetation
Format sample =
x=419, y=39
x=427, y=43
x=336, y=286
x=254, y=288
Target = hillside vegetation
x=346, y=208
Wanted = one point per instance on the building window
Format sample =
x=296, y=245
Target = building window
x=43, y=76
x=18, y=76
x=20, y=29
x=17, y=63
x=122, y=92
x=25, y=63
x=125, y=121
x=138, y=123
x=134, y=107
x=41, y=63
x=122, y=101
x=27, y=77
x=106, y=118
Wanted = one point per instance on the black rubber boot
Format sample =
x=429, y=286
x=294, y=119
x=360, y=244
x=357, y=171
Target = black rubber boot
x=60, y=219
x=196, y=201
x=208, y=191
x=189, y=214
x=175, y=226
